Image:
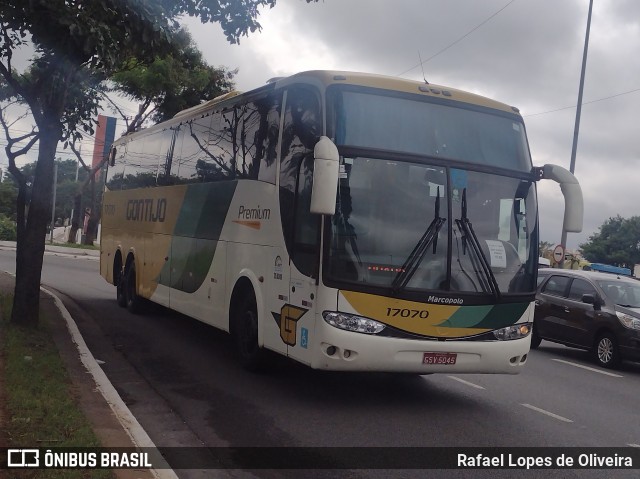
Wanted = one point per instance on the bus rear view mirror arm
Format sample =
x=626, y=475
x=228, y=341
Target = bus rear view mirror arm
x=573, y=202
x=326, y=167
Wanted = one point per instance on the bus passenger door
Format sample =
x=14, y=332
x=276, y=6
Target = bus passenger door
x=302, y=125
x=304, y=268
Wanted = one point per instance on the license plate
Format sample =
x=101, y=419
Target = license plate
x=439, y=358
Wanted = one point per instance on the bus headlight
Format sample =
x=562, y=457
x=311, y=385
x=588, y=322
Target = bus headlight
x=628, y=321
x=352, y=322
x=517, y=331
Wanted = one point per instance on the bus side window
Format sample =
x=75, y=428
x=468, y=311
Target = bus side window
x=266, y=137
x=194, y=164
x=115, y=171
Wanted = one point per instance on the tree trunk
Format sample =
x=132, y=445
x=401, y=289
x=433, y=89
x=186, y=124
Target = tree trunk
x=75, y=221
x=30, y=247
x=92, y=225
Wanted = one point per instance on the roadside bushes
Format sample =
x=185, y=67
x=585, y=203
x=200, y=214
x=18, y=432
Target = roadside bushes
x=7, y=229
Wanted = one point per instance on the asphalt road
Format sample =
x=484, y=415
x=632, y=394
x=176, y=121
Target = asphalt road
x=180, y=379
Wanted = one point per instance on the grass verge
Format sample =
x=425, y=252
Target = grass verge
x=76, y=245
x=40, y=407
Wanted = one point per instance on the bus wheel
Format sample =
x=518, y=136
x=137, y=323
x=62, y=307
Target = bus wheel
x=606, y=351
x=132, y=300
x=245, y=329
x=120, y=296
x=119, y=280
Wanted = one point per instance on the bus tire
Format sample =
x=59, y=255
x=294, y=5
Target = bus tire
x=245, y=334
x=118, y=279
x=132, y=300
x=120, y=296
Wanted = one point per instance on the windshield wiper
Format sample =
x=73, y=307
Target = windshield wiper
x=412, y=262
x=469, y=237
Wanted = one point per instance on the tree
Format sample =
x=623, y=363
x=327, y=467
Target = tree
x=77, y=46
x=8, y=196
x=65, y=189
x=617, y=242
x=545, y=249
x=169, y=84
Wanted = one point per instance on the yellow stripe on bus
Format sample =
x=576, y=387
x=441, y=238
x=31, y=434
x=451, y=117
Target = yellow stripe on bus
x=411, y=316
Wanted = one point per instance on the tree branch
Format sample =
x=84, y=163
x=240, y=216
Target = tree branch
x=34, y=136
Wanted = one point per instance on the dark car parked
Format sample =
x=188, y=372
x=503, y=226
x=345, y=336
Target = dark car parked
x=599, y=312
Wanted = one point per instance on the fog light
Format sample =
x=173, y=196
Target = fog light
x=331, y=350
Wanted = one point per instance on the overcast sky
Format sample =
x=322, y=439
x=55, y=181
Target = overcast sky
x=528, y=55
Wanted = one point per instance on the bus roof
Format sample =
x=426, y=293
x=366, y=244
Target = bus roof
x=335, y=77
x=332, y=77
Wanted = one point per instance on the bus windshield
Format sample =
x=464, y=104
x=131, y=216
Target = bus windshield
x=419, y=125
x=421, y=227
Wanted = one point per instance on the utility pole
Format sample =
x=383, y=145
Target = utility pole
x=576, y=129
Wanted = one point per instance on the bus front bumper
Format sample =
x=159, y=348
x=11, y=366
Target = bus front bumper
x=341, y=350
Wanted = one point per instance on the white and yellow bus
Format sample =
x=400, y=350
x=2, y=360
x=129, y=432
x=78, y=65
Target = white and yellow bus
x=348, y=221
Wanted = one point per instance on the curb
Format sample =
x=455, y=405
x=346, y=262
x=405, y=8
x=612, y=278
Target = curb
x=55, y=249
x=127, y=420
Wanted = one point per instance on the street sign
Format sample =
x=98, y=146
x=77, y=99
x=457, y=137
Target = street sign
x=558, y=253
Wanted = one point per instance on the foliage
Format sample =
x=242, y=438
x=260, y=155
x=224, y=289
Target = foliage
x=77, y=46
x=39, y=399
x=617, y=242
x=170, y=83
x=545, y=249
x=66, y=189
x=8, y=195
x=7, y=229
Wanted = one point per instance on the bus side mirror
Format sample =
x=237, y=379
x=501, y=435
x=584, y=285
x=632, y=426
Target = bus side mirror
x=573, y=203
x=326, y=167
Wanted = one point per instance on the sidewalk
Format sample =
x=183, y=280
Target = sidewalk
x=57, y=249
x=100, y=408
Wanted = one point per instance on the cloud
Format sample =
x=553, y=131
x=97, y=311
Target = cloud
x=528, y=55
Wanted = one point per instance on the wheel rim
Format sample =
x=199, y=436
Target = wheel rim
x=605, y=350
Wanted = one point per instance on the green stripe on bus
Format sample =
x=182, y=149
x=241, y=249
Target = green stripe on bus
x=204, y=210
x=196, y=234
x=466, y=317
x=486, y=317
x=503, y=315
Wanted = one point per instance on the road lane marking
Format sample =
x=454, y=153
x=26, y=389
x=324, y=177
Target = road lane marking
x=555, y=416
x=466, y=382
x=634, y=445
x=606, y=373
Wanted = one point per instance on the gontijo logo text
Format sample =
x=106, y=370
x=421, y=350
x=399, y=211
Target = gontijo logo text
x=147, y=209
